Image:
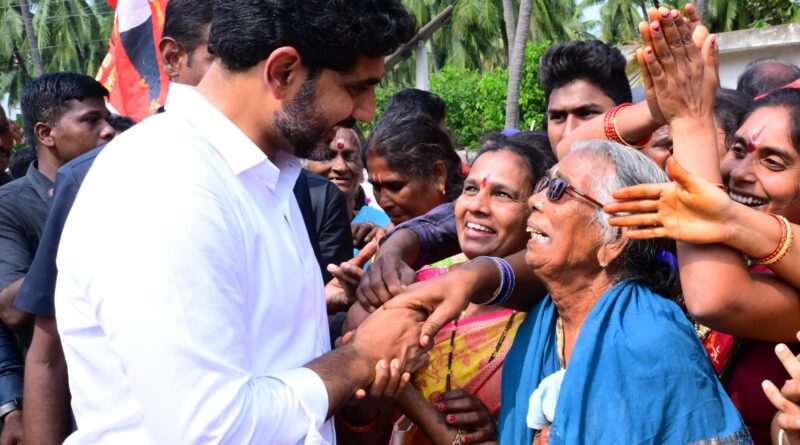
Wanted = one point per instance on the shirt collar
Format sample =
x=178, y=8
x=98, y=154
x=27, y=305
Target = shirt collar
x=40, y=183
x=228, y=140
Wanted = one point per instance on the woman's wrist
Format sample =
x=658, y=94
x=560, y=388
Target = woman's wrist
x=755, y=242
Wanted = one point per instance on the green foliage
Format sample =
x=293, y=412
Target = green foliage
x=476, y=101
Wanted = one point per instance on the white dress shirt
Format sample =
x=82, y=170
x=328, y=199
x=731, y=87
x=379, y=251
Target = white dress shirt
x=188, y=296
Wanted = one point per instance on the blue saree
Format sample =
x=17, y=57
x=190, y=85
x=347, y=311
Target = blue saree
x=637, y=375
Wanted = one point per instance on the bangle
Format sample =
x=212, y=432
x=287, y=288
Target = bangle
x=8, y=407
x=783, y=247
x=359, y=428
x=507, y=281
x=610, y=127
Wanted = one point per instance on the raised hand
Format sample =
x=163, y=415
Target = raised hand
x=689, y=209
x=340, y=292
x=466, y=412
x=787, y=399
x=680, y=78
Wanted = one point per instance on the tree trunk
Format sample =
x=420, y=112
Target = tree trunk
x=516, y=63
x=27, y=20
x=702, y=9
x=511, y=25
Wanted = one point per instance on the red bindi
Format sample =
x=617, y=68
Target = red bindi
x=485, y=180
x=340, y=145
x=756, y=137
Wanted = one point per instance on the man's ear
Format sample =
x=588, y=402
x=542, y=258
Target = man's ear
x=44, y=133
x=284, y=72
x=170, y=56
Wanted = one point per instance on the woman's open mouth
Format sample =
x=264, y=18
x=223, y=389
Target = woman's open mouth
x=748, y=200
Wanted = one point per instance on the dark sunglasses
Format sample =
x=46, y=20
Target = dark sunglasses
x=558, y=186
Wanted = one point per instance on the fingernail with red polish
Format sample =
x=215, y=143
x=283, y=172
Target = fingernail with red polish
x=440, y=407
x=465, y=438
x=649, y=50
x=656, y=27
x=451, y=418
x=675, y=14
x=665, y=13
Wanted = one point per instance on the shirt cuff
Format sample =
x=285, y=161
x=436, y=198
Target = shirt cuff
x=310, y=391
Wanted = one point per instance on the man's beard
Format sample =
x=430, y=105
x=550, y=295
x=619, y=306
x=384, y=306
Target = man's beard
x=299, y=122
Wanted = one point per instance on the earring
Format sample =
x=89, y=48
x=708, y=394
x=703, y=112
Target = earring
x=603, y=264
x=442, y=190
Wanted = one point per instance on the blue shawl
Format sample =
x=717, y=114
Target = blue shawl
x=637, y=375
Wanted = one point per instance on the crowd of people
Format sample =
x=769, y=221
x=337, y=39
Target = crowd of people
x=246, y=266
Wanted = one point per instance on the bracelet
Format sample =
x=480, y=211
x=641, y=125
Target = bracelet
x=610, y=128
x=785, y=244
x=507, y=281
x=8, y=407
x=359, y=428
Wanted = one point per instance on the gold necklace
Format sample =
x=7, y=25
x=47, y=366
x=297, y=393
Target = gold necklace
x=447, y=382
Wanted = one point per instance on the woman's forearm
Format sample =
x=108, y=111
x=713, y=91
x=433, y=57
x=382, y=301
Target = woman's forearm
x=634, y=124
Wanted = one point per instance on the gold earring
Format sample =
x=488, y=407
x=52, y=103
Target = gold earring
x=442, y=190
x=603, y=264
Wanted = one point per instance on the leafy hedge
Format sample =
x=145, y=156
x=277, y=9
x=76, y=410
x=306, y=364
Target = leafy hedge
x=476, y=102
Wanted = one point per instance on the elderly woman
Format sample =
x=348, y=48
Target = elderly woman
x=635, y=371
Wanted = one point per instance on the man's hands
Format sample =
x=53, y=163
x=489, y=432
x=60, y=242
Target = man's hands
x=12, y=429
x=689, y=209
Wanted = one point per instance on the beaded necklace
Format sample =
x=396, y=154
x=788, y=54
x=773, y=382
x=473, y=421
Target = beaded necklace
x=453, y=343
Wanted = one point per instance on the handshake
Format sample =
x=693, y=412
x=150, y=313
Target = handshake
x=389, y=341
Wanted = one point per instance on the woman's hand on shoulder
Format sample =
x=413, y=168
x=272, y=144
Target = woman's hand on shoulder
x=786, y=399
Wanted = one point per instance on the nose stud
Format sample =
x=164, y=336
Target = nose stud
x=538, y=205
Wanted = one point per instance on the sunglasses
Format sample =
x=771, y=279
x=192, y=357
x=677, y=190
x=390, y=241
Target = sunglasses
x=556, y=187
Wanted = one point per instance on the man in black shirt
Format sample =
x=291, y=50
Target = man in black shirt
x=65, y=116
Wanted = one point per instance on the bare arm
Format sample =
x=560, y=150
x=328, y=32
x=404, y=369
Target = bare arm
x=14, y=318
x=46, y=391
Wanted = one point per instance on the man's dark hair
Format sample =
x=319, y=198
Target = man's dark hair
x=729, y=109
x=21, y=161
x=186, y=20
x=595, y=62
x=764, y=75
x=327, y=33
x=412, y=101
x=120, y=123
x=45, y=98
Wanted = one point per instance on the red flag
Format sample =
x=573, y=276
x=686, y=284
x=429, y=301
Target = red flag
x=132, y=69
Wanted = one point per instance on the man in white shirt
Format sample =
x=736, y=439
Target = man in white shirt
x=189, y=303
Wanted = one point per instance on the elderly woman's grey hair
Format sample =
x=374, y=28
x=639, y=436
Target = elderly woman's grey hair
x=640, y=260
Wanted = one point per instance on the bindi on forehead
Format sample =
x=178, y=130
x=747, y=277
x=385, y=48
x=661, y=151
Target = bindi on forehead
x=756, y=138
x=485, y=180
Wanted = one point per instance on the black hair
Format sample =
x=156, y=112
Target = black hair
x=764, y=75
x=532, y=146
x=412, y=144
x=788, y=98
x=45, y=98
x=729, y=109
x=185, y=21
x=327, y=33
x=412, y=100
x=21, y=161
x=120, y=123
x=599, y=64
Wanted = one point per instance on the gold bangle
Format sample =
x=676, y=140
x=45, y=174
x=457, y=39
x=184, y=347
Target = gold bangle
x=638, y=147
x=784, y=247
x=459, y=439
x=781, y=436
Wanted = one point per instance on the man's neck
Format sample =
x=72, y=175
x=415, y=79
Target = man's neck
x=48, y=166
x=232, y=95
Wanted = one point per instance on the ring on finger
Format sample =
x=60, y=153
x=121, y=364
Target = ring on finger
x=655, y=218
